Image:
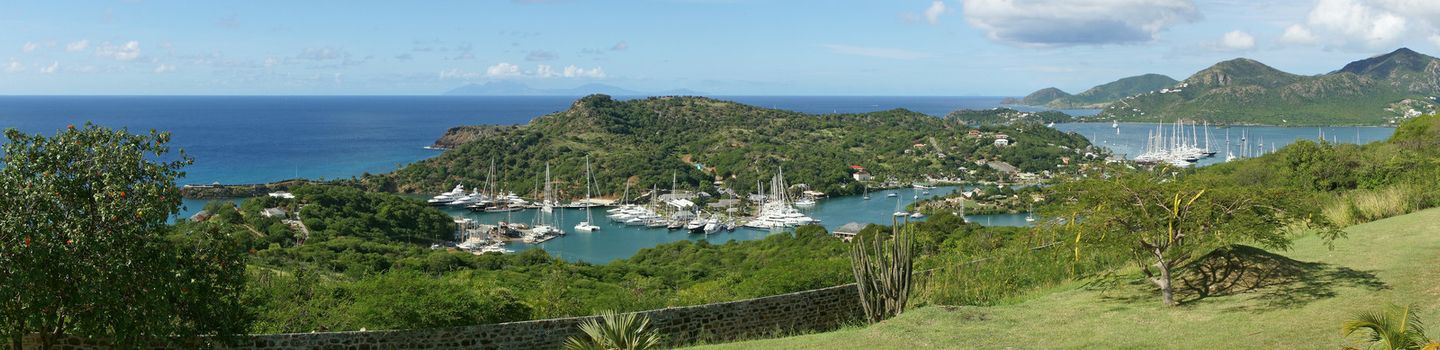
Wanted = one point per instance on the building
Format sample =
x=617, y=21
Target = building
x=1002, y=142
x=849, y=231
x=201, y=216
x=974, y=133
x=273, y=213
x=859, y=173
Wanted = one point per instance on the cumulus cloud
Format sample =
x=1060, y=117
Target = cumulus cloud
x=502, y=69
x=877, y=52
x=572, y=71
x=1237, y=41
x=52, y=68
x=545, y=71
x=540, y=55
x=164, y=68
x=1365, y=25
x=1077, y=22
x=28, y=47
x=14, y=66
x=128, y=51
x=77, y=46
x=1297, y=34
x=932, y=13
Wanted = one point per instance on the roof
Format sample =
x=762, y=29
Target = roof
x=857, y=167
x=852, y=228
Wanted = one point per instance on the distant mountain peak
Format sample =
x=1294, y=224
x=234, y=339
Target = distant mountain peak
x=1386, y=65
x=1043, y=96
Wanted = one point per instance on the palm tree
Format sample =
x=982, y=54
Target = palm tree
x=1395, y=328
x=615, y=332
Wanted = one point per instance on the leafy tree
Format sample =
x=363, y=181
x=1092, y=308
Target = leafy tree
x=85, y=249
x=1166, y=221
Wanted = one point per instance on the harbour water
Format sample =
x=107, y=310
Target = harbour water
x=616, y=241
x=1131, y=138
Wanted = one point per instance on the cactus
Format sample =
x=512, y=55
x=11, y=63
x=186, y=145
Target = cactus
x=883, y=272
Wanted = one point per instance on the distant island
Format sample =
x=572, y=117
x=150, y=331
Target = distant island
x=1381, y=90
x=514, y=88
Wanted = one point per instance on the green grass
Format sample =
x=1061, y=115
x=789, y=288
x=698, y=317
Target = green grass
x=1387, y=261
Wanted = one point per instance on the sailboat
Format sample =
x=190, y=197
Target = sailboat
x=898, y=212
x=1115, y=124
x=867, y=193
x=547, y=203
x=587, y=225
x=1030, y=213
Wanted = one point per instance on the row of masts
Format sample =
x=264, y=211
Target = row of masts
x=1174, y=146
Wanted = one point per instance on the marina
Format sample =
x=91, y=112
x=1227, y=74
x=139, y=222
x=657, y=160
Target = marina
x=618, y=241
x=1132, y=140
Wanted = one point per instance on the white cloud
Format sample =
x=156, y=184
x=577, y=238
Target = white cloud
x=1358, y=21
x=322, y=54
x=932, y=14
x=877, y=52
x=164, y=68
x=545, y=71
x=77, y=46
x=1077, y=22
x=14, y=66
x=540, y=55
x=1297, y=34
x=458, y=74
x=29, y=47
x=502, y=69
x=126, y=52
x=620, y=46
x=54, y=66
x=572, y=71
x=1237, y=41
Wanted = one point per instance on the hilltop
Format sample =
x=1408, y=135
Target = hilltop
x=1098, y=96
x=1001, y=116
x=1378, y=90
x=701, y=141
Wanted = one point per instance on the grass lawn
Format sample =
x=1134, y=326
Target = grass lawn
x=1393, y=260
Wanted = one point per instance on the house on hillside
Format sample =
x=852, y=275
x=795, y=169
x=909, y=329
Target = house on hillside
x=273, y=213
x=848, y=231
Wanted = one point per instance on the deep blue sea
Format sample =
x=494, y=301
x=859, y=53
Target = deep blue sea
x=254, y=139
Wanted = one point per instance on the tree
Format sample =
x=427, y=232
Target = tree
x=85, y=249
x=1165, y=221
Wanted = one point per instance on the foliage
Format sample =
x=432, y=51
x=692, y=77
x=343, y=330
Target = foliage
x=339, y=211
x=883, y=272
x=86, y=250
x=1394, y=328
x=1165, y=222
x=1420, y=133
x=615, y=331
x=644, y=142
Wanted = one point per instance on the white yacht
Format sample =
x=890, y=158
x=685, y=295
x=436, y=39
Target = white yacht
x=447, y=197
x=587, y=225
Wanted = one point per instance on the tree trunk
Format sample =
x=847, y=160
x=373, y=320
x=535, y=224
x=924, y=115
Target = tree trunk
x=1167, y=292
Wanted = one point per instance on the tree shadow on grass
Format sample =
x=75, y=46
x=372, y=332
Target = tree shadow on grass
x=1273, y=281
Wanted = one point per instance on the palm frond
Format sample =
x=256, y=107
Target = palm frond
x=615, y=331
x=1395, y=328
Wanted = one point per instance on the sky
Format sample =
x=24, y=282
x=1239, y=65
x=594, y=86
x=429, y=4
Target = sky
x=719, y=47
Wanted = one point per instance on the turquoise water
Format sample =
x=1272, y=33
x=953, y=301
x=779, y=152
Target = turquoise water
x=617, y=241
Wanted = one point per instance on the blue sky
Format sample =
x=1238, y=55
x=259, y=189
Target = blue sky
x=725, y=47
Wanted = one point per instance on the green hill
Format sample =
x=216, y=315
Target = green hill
x=1100, y=96
x=1039, y=97
x=702, y=140
x=1380, y=262
x=1001, y=116
x=1379, y=90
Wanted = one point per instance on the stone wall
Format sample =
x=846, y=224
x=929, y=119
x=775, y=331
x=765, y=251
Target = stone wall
x=809, y=311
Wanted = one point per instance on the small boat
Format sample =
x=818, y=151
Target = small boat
x=1030, y=215
x=867, y=194
x=1115, y=124
x=917, y=215
x=585, y=226
x=891, y=194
